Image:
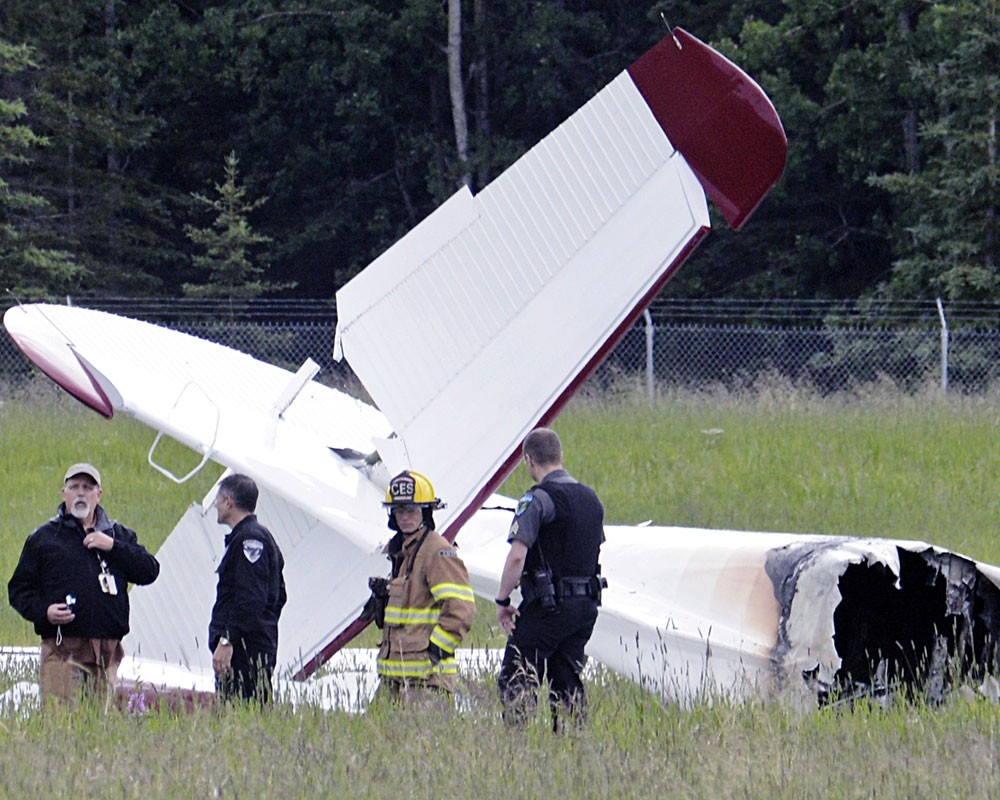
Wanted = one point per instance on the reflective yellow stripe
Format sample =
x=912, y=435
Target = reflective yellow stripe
x=445, y=640
x=397, y=668
x=416, y=668
x=453, y=591
x=395, y=615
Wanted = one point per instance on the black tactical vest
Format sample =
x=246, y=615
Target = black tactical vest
x=571, y=543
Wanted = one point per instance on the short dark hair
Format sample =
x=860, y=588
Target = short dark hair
x=544, y=447
x=242, y=490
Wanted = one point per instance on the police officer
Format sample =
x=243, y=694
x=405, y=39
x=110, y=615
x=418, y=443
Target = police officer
x=555, y=541
x=243, y=632
x=430, y=606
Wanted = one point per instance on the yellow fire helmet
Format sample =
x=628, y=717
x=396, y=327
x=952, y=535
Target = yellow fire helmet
x=411, y=488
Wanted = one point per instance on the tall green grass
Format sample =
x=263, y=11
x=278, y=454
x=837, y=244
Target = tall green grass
x=918, y=467
x=633, y=747
x=878, y=465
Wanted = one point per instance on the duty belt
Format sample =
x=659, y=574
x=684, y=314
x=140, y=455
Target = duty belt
x=577, y=587
x=532, y=588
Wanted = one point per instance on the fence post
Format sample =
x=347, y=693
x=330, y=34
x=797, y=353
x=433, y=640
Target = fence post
x=944, y=347
x=650, y=331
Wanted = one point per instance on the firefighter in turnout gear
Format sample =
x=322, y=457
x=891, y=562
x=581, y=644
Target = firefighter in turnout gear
x=428, y=601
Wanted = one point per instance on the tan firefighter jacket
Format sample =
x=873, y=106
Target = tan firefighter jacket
x=430, y=600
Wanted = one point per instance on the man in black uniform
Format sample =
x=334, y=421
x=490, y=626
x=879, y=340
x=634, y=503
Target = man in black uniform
x=243, y=633
x=555, y=541
x=72, y=583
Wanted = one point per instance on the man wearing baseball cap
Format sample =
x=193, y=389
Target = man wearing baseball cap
x=71, y=582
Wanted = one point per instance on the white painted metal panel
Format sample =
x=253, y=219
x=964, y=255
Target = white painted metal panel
x=533, y=276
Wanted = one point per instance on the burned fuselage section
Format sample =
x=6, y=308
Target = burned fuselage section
x=870, y=617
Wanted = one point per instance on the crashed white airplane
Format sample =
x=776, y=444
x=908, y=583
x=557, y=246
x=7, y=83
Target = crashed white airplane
x=515, y=296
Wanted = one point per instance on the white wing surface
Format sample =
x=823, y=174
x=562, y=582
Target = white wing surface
x=467, y=339
x=324, y=512
x=480, y=324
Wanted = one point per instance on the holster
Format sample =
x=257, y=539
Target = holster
x=538, y=585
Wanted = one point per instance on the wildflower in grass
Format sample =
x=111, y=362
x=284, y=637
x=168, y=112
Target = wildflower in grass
x=137, y=704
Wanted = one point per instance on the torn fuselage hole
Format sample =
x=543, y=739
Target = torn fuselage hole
x=939, y=624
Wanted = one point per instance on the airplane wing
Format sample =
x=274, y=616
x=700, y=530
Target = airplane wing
x=280, y=427
x=481, y=323
x=474, y=328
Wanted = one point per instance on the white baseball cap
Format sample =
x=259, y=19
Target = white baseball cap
x=83, y=469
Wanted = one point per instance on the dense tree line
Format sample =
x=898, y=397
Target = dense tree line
x=121, y=124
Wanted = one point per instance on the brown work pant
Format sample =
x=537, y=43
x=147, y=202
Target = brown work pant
x=78, y=664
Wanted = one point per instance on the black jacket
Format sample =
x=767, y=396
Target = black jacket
x=251, y=589
x=54, y=563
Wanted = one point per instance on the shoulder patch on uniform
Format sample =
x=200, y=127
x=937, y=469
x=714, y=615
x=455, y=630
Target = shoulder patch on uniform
x=523, y=503
x=447, y=554
x=252, y=549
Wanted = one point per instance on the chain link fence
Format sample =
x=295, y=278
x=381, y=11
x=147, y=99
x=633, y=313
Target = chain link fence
x=823, y=347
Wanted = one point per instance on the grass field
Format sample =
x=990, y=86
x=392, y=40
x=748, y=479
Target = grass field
x=918, y=467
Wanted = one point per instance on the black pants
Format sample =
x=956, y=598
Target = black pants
x=547, y=645
x=250, y=676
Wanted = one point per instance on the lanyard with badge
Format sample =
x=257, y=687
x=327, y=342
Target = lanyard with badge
x=106, y=580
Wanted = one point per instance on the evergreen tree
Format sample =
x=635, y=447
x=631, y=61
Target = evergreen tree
x=96, y=106
x=230, y=267
x=27, y=266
